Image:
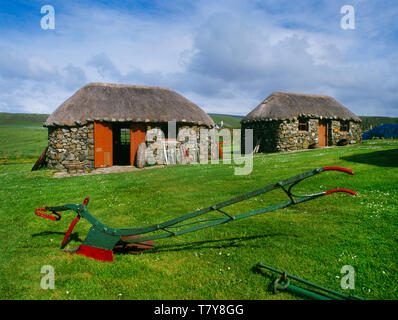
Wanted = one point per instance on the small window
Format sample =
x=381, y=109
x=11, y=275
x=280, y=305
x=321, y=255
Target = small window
x=344, y=126
x=125, y=136
x=303, y=124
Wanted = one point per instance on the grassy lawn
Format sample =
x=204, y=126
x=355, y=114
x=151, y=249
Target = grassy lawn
x=312, y=240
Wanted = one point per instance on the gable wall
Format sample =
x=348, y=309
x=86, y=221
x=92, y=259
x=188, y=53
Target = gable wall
x=71, y=146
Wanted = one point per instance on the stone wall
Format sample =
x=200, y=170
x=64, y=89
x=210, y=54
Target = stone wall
x=284, y=135
x=71, y=147
x=188, y=137
x=290, y=138
x=265, y=133
x=352, y=136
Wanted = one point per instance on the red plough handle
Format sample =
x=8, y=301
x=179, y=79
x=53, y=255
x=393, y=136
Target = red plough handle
x=70, y=229
x=340, y=190
x=339, y=169
x=72, y=225
x=39, y=213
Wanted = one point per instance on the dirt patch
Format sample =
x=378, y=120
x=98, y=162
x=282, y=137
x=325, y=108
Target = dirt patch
x=114, y=169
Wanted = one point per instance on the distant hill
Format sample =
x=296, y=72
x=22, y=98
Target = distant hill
x=22, y=119
x=230, y=121
x=370, y=122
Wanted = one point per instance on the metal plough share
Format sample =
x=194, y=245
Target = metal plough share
x=102, y=240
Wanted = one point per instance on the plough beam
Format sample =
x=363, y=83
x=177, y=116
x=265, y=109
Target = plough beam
x=102, y=239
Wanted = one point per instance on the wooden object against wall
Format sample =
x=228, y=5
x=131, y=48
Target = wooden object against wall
x=322, y=133
x=137, y=136
x=41, y=161
x=103, y=145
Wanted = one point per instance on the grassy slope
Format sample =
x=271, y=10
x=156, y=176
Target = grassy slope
x=370, y=122
x=22, y=136
x=22, y=119
x=229, y=121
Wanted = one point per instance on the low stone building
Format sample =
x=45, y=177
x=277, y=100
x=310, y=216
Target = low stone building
x=292, y=121
x=103, y=125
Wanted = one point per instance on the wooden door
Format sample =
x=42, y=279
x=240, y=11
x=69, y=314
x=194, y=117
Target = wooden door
x=137, y=136
x=103, y=142
x=323, y=133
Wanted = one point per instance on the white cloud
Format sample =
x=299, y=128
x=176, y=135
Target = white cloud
x=226, y=56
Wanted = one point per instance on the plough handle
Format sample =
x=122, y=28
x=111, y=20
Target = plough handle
x=339, y=169
x=73, y=223
x=39, y=212
x=70, y=229
x=340, y=190
x=86, y=200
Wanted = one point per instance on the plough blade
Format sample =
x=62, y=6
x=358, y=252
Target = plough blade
x=95, y=253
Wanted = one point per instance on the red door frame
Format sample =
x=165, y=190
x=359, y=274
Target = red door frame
x=323, y=133
x=137, y=136
x=103, y=145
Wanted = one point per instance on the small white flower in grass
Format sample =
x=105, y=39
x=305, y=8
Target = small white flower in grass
x=120, y=294
x=220, y=253
x=67, y=292
x=229, y=268
x=338, y=277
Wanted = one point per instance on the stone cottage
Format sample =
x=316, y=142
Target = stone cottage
x=293, y=121
x=103, y=125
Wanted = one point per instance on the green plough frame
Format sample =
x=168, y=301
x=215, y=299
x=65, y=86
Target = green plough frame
x=102, y=240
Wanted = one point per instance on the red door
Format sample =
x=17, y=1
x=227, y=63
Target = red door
x=103, y=143
x=323, y=133
x=137, y=136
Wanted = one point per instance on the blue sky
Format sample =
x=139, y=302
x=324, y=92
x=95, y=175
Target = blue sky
x=224, y=55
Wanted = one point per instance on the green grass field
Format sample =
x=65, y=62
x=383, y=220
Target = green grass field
x=312, y=240
x=22, y=137
x=22, y=119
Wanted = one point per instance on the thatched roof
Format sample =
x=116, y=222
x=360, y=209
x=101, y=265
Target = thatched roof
x=285, y=105
x=121, y=103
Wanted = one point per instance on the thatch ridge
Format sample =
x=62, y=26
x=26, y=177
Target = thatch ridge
x=289, y=105
x=126, y=103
